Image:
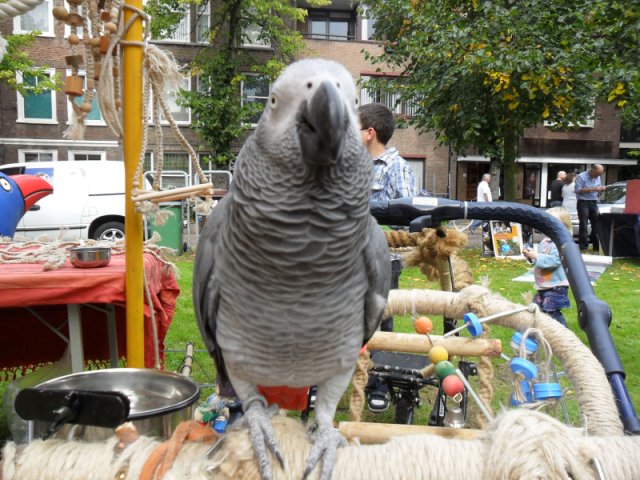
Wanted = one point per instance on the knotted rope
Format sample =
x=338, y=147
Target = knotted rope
x=14, y=8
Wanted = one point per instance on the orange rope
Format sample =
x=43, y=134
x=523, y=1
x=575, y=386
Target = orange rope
x=161, y=459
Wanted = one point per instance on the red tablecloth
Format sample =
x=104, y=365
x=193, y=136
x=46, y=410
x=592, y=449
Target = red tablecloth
x=24, y=340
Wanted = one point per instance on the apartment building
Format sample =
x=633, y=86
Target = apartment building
x=32, y=127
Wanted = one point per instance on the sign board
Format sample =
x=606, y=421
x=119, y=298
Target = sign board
x=506, y=239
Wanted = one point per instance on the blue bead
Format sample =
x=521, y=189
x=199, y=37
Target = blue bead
x=530, y=345
x=473, y=324
x=542, y=391
x=524, y=367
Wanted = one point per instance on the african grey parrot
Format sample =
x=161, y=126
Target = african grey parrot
x=291, y=272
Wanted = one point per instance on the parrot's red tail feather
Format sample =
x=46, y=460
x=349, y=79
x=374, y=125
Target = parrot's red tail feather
x=286, y=397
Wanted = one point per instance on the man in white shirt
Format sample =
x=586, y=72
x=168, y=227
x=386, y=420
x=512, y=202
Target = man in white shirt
x=484, y=195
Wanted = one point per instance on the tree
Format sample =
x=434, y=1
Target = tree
x=218, y=114
x=480, y=73
x=16, y=60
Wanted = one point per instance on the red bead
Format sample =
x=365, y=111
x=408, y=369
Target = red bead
x=452, y=385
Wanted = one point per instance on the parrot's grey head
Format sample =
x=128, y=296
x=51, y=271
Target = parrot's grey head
x=316, y=100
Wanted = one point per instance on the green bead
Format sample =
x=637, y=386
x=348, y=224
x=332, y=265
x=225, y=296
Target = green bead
x=444, y=368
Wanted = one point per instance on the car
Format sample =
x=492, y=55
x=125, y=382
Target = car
x=87, y=200
x=614, y=196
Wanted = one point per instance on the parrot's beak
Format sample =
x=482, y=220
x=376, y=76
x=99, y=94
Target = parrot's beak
x=321, y=126
x=33, y=188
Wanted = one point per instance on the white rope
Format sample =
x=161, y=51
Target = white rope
x=519, y=444
x=14, y=8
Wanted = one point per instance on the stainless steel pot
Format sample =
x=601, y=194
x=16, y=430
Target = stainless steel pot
x=158, y=400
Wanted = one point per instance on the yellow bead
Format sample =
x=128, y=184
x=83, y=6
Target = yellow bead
x=438, y=354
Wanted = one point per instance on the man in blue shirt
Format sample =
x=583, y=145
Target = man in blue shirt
x=392, y=175
x=588, y=188
x=392, y=178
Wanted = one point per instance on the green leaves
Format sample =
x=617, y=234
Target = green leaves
x=486, y=71
x=16, y=60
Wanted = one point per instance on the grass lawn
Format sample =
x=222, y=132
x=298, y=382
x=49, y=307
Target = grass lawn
x=619, y=287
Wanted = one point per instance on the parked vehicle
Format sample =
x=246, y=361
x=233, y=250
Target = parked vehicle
x=87, y=200
x=615, y=195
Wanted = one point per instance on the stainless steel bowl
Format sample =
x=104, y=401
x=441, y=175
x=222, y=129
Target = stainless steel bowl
x=90, y=257
x=158, y=400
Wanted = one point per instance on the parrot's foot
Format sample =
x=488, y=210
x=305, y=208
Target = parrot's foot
x=326, y=441
x=261, y=433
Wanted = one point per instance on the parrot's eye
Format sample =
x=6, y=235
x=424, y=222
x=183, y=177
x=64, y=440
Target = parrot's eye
x=357, y=102
x=338, y=84
x=309, y=85
x=273, y=100
x=4, y=183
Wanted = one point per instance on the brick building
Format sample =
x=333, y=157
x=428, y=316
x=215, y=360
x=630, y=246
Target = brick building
x=32, y=128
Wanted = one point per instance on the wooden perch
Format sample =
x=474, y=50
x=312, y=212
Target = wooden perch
x=414, y=343
x=376, y=433
x=174, y=194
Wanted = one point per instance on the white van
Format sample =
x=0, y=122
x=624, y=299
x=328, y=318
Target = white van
x=87, y=200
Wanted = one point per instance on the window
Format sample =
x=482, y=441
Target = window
x=95, y=116
x=252, y=37
x=368, y=25
x=37, y=156
x=331, y=26
x=392, y=100
x=40, y=18
x=78, y=156
x=255, y=89
x=630, y=133
x=37, y=108
x=182, y=115
x=182, y=31
x=203, y=22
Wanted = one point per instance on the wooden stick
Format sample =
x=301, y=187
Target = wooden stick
x=376, y=433
x=414, y=343
x=173, y=192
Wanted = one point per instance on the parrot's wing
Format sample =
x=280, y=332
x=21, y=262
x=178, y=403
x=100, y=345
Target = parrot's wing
x=206, y=290
x=378, y=267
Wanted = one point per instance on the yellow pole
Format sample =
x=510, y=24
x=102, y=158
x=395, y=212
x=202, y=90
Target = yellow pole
x=132, y=126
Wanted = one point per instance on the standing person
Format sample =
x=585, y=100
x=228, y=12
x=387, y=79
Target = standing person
x=551, y=281
x=569, y=200
x=484, y=195
x=587, y=190
x=392, y=178
x=392, y=175
x=556, y=189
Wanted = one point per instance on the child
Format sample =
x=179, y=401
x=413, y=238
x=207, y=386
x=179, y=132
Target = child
x=551, y=281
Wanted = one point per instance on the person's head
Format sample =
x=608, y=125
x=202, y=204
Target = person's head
x=596, y=170
x=563, y=215
x=376, y=123
x=561, y=174
x=486, y=177
x=568, y=178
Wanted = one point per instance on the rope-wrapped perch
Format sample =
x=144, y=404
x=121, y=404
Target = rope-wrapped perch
x=518, y=444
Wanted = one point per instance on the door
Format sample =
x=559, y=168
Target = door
x=58, y=215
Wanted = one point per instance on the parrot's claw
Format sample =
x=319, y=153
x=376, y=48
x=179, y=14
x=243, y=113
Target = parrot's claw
x=326, y=441
x=262, y=437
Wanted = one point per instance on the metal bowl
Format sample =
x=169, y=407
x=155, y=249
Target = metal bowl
x=90, y=257
x=158, y=400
